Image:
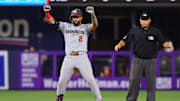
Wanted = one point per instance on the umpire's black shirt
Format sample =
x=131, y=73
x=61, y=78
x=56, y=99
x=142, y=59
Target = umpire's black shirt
x=145, y=42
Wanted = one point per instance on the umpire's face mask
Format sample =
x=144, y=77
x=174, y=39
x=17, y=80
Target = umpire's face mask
x=145, y=23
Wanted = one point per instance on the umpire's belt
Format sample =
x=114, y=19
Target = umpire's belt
x=77, y=53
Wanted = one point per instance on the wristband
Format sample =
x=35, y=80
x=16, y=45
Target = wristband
x=48, y=15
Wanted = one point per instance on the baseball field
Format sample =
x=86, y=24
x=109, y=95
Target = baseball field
x=85, y=95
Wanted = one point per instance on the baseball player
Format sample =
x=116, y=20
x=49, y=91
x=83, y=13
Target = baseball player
x=76, y=38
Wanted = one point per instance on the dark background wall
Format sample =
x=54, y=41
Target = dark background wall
x=114, y=23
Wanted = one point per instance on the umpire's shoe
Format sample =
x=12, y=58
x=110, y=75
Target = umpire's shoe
x=60, y=98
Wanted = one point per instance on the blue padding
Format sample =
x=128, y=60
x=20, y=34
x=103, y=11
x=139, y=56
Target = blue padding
x=2, y=77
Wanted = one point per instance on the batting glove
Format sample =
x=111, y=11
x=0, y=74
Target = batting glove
x=46, y=8
x=90, y=10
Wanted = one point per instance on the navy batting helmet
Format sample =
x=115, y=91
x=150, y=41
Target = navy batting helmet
x=76, y=12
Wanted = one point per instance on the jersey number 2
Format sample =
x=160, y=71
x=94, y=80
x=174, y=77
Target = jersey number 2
x=80, y=38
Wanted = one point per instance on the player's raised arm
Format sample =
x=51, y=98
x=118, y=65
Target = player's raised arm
x=47, y=9
x=94, y=21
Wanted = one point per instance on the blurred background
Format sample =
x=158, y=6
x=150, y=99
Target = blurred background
x=32, y=51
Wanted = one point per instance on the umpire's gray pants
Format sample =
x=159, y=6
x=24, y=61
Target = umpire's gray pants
x=138, y=66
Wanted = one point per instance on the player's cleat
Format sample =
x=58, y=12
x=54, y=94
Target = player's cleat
x=60, y=98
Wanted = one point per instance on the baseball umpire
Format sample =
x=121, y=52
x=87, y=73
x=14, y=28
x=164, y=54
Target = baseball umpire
x=146, y=40
x=76, y=39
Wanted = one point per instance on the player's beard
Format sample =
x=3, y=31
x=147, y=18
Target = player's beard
x=77, y=24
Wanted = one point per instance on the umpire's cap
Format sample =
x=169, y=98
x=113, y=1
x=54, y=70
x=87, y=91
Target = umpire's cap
x=145, y=15
x=76, y=12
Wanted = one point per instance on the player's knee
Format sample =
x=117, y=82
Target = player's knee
x=60, y=82
x=91, y=80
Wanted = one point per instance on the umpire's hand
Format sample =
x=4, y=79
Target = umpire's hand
x=117, y=47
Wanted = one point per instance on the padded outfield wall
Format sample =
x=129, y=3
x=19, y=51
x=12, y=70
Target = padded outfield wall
x=29, y=72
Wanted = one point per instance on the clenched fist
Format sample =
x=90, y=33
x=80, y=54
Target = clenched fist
x=90, y=10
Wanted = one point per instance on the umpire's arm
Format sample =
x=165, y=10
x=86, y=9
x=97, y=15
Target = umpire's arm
x=163, y=41
x=119, y=45
x=125, y=40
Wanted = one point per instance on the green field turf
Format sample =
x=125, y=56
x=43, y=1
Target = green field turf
x=82, y=95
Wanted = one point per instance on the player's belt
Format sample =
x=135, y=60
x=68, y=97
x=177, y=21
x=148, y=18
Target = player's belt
x=77, y=53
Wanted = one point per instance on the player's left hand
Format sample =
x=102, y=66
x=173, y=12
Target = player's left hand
x=90, y=10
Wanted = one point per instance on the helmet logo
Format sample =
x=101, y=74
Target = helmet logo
x=74, y=11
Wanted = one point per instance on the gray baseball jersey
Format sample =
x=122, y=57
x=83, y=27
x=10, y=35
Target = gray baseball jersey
x=76, y=37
